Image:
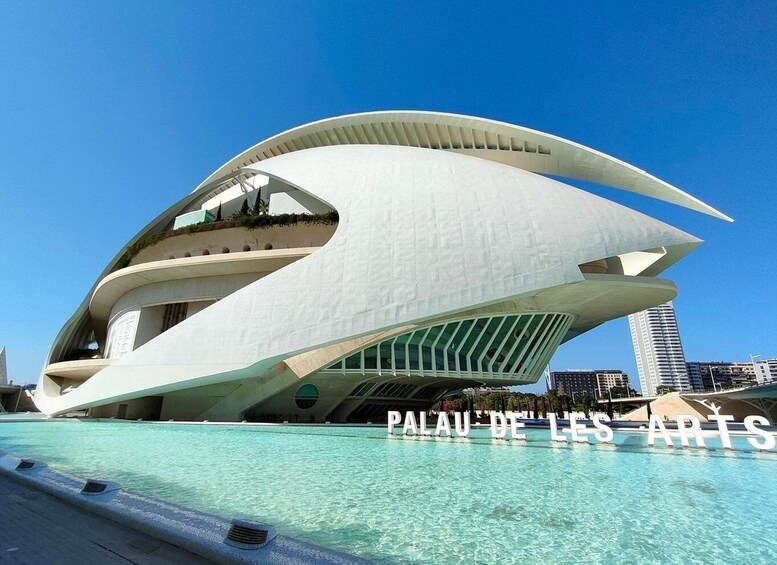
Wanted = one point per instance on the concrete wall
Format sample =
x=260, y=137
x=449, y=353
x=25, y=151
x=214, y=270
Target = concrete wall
x=146, y=408
x=16, y=399
x=149, y=326
x=191, y=403
x=184, y=290
x=151, y=318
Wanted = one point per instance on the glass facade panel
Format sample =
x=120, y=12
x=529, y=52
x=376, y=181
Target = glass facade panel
x=472, y=338
x=426, y=355
x=456, y=344
x=354, y=361
x=520, y=339
x=385, y=357
x=495, y=344
x=483, y=342
x=412, y=359
x=500, y=346
x=361, y=389
x=371, y=359
x=399, y=356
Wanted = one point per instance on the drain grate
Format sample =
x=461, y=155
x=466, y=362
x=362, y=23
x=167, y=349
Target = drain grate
x=249, y=535
x=93, y=487
x=25, y=464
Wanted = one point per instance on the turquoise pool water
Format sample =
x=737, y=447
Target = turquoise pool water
x=432, y=501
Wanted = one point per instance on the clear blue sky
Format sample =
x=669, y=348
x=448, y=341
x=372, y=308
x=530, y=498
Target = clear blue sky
x=111, y=111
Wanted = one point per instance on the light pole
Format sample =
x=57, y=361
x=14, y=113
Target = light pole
x=755, y=369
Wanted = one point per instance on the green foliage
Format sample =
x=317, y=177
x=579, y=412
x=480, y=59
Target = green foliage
x=665, y=389
x=260, y=206
x=534, y=405
x=584, y=403
x=265, y=220
x=623, y=392
x=244, y=207
x=136, y=248
x=248, y=221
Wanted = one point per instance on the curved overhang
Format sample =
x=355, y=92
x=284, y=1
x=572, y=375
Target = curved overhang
x=502, y=142
x=591, y=301
x=118, y=283
x=78, y=370
x=465, y=249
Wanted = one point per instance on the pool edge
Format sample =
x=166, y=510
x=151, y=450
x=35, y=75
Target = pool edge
x=197, y=532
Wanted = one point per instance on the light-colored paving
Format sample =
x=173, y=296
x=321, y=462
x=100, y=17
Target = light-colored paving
x=37, y=528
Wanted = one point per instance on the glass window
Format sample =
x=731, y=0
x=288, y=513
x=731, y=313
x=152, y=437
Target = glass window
x=306, y=396
x=354, y=361
x=520, y=339
x=385, y=356
x=362, y=389
x=399, y=355
x=371, y=359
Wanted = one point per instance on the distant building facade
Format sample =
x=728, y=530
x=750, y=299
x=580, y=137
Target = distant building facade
x=658, y=350
x=765, y=371
x=3, y=368
x=709, y=376
x=597, y=383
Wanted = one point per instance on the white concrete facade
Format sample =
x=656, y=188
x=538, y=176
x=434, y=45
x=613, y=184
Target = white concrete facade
x=658, y=350
x=765, y=371
x=453, y=263
x=3, y=367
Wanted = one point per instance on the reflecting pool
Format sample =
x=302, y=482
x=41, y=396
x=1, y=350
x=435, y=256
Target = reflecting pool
x=399, y=500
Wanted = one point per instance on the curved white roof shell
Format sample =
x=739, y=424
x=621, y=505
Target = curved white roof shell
x=505, y=143
x=422, y=235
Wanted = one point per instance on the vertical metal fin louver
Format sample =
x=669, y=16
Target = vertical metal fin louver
x=245, y=534
x=513, y=347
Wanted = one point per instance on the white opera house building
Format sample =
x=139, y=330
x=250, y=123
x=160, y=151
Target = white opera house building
x=362, y=264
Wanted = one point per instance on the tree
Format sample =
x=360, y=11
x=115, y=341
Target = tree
x=218, y=214
x=244, y=207
x=587, y=402
x=665, y=389
x=260, y=206
x=514, y=404
x=551, y=400
x=622, y=392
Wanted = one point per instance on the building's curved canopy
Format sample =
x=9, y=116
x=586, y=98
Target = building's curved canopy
x=422, y=235
x=505, y=143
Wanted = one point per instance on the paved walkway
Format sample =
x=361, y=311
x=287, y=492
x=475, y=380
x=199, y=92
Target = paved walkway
x=37, y=528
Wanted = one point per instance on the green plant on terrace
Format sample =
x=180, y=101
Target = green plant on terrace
x=239, y=220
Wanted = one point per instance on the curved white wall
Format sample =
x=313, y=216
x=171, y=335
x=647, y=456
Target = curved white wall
x=422, y=234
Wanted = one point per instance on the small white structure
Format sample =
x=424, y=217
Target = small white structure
x=3, y=368
x=404, y=254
